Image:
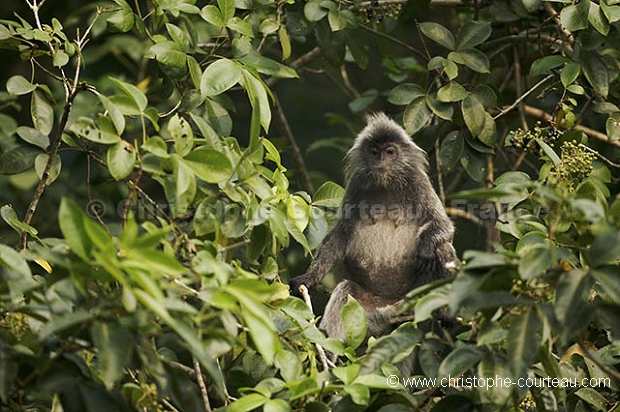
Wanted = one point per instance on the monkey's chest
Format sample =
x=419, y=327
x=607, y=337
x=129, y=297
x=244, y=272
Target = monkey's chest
x=375, y=249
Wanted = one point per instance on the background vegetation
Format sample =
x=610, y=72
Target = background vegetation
x=159, y=161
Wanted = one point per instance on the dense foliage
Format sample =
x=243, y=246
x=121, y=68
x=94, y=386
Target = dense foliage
x=152, y=222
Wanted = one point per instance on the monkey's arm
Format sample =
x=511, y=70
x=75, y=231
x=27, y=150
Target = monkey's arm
x=434, y=249
x=330, y=252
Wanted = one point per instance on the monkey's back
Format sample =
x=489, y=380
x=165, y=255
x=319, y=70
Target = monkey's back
x=380, y=250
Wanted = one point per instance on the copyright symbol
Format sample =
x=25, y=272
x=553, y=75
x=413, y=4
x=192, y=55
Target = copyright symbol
x=393, y=381
x=95, y=208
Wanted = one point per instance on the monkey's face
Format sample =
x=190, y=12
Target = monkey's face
x=382, y=157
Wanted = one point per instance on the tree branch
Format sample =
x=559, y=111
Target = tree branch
x=300, y=167
x=523, y=96
x=52, y=151
x=541, y=114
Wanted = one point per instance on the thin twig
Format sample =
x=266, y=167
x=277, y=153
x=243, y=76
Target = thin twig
x=394, y=40
x=322, y=356
x=297, y=64
x=298, y=160
x=523, y=96
x=201, y=385
x=600, y=156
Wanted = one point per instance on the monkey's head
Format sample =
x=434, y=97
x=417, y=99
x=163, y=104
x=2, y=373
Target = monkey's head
x=384, y=155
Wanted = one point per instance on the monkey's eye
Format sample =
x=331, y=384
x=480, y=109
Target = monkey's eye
x=374, y=152
x=390, y=151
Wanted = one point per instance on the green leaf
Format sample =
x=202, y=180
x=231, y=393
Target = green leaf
x=609, y=279
x=209, y=165
x=285, y=43
x=592, y=397
x=10, y=217
x=18, y=86
x=442, y=110
x=114, y=113
x=33, y=136
x=473, y=114
x=354, y=321
x=451, y=150
x=472, y=34
x=314, y=12
x=535, y=262
x=157, y=146
x=168, y=53
x=212, y=15
x=243, y=27
x=597, y=18
x=42, y=114
x=575, y=17
x=551, y=154
x=451, y=92
x=133, y=92
x=18, y=160
x=121, y=158
x=612, y=126
x=544, y=65
x=247, y=403
x=460, y=360
x=182, y=134
x=611, y=12
x=219, y=77
x=523, y=341
x=268, y=66
x=276, y=405
x=121, y=20
x=268, y=26
x=86, y=128
x=227, y=7
x=114, y=346
x=405, y=337
x=595, y=71
x=439, y=34
x=257, y=94
x=71, y=222
x=605, y=249
x=336, y=20
x=472, y=58
x=488, y=135
x=357, y=50
x=16, y=272
x=39, y=166
x=572, y=291
x=486, y=95
x=64, y=321
x=416, y=115
x=569, y=73
x=405, y=93
x=297, y=210
x=474, y=163
x=329, y=194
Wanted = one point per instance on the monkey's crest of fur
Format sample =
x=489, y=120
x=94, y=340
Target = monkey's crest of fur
x=379, y=132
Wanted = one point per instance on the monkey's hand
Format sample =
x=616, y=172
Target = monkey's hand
x=308, y=280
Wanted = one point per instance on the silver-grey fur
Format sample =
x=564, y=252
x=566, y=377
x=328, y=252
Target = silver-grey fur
x=392, y=234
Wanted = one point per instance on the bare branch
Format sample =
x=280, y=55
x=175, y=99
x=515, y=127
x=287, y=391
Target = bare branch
x=300, y=167
x=523, y=96
x=201, y=385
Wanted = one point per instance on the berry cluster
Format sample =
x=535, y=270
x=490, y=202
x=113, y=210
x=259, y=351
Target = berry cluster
x=575, y=165
x=378, y=10
x=526, y=139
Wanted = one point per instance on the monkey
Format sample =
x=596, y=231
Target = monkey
x=392, y=233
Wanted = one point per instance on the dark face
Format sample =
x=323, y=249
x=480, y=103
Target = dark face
x=383, y=156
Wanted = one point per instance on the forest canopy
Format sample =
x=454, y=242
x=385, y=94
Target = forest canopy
x=167, y=166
